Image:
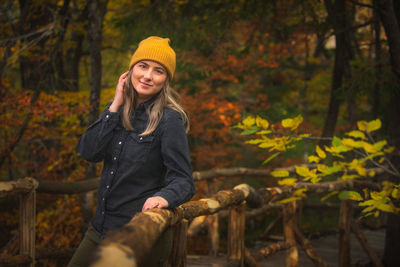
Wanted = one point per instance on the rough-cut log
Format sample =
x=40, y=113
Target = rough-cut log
x=344, y=233
x=249, y=260
x=271, y=226
x=271, y=249
x=179, y=248
x=338, y=186
x=121, y=246
x=199, y=223
x=308, y=249
x=57, y=187
x=211, y=174
x=212, y=222
x=364, y=243
x=236, y=226
x=8, y=260
x=54, y=253
x=196, y=225
x=213, y=233
x=27, y=221
x=289, y=224
x=24, y=185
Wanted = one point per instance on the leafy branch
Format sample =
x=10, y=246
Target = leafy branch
x=359, y=141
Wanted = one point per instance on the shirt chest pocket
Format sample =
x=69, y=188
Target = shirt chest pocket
x=138, y=147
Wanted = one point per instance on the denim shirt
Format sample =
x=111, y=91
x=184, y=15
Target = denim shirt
x=137, y=167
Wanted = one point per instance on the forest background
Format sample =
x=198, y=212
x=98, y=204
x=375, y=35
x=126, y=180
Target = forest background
x=334, y=62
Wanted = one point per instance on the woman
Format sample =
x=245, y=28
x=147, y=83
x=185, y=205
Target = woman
x=141, y=137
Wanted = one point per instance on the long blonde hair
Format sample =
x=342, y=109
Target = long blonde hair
x=166, y=98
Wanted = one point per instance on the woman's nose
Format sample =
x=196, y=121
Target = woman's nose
x=148, y=74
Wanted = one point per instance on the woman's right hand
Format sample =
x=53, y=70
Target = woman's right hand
x=119, y=93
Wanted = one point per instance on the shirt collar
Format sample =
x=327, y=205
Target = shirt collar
x=144, y=105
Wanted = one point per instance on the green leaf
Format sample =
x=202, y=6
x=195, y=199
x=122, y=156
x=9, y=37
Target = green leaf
x=324, y=198
x=336, y=141
x=271, y=158
x=352, y=195
x=332, y=169
x=249, y=131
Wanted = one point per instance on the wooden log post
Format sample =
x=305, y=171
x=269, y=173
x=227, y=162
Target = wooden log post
x=179, y=248
x=213, y=222
x=236, y=225
x=308, y=249
x=270, y=250
x=364, y=243
x=27, y=219
x=289, y=224
x=344, y=233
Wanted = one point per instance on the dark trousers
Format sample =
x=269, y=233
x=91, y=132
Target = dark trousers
x=158, y=257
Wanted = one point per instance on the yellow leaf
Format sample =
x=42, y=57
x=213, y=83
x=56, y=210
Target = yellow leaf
x=356, y=134
x=379, y=145
x=264, y=132
x=322, y=167
x=262, y=123
x=320, y=152
x=349, y=177
x=288, y=181
x=389, y=150
x=396, y=193
x=368, y=147
x=312, y=159
x=300, y=193
x=302, y=171
x=371, y=174
x=292, y=123
x=351, y=142
x=376, y=196
x=280, y=173
x=288, y=200
x=385, y=207
x=374, y=125
x=362, y=125
x=249, y=121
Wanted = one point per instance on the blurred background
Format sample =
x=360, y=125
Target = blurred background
x=334, y=62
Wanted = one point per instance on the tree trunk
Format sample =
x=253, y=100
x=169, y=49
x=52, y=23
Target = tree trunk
x=344, y=233
x=390, y=22
x=377, y=60
x=341, y=70
x=96, y=11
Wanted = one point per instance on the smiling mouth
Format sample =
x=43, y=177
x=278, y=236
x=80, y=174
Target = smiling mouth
x=145, y=84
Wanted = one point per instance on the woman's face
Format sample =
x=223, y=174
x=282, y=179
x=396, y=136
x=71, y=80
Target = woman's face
x=148, y=78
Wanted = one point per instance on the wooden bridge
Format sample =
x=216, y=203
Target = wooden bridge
x=122, y=247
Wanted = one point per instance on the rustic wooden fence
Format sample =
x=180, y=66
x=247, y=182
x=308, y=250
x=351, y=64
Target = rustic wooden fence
x=122, y=246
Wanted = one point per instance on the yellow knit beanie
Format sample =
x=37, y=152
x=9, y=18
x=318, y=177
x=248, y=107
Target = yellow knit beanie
x=156, y=49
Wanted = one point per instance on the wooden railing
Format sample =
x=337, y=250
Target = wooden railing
x=147, y=226
x=122, y=245
x=26, y=189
